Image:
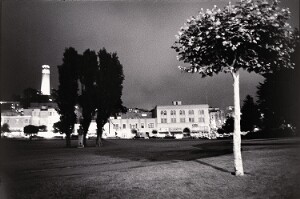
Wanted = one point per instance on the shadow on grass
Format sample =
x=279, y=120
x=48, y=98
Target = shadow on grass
x=165, y=153
x=213, y=166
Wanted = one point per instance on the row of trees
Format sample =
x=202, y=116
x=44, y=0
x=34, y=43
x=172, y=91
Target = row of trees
x=93, y=83
x=253, y=35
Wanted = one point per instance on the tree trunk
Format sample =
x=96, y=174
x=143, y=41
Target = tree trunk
x=99, y=137
x=238, y=162
x=68, y=140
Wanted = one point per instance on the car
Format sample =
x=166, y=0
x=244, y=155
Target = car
x=169, y=137
x=35, y=137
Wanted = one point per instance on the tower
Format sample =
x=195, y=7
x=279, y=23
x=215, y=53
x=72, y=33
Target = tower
x=45, y=87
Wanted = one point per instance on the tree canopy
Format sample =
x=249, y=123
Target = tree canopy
x=253, y=35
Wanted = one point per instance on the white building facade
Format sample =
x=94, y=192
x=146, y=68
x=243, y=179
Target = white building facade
x=179, y=119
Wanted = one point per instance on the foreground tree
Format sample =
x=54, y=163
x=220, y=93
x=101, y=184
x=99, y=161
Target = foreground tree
x=250, y=115
x=87, y=77
x=66, y=95
x=252, y=35
x=109, y=81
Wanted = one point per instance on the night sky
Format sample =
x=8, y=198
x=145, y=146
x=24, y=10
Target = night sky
x=35, y=33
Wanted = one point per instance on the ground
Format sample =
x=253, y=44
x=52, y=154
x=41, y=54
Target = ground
x=149, y=169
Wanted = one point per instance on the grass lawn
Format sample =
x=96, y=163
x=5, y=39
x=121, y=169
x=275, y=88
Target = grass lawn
x=149, y=169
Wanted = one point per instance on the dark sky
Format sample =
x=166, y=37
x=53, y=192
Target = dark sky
x=35, y=33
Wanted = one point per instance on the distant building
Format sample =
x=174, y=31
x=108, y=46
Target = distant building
x=178, y=119
x=217, y=118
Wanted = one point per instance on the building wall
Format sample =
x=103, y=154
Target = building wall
x=17, y=122
x=35, y=117
x=177, y=118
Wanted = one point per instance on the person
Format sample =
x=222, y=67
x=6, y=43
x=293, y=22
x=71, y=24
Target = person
x=80, y=137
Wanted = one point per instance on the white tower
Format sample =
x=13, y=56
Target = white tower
x=45, y=87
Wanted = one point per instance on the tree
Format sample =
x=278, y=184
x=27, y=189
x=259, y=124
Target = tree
x=4, y=129
x=250, y=115
x=31, y=130
x=280, y=108
x=228, y=126
x=31, y=95
x=109, y=88
x=87, y=77
x=252, y=35
x=66, y=95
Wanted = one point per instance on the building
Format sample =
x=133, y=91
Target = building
x=45, y=85
x=217, y=118
x=179, y=119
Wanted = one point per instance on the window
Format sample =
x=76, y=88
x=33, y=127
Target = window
x=181, y=112
x=163, y=120
x=201, y=112
x=182, y=120
x=124, y=126
x=142, y=125
x=163, y=112
x=191, y=112
x=201, y=120
x=151, y=125
x=173, y=120
x=116, y=126
x=50, y=113
x=173, y=112
x=191, y=119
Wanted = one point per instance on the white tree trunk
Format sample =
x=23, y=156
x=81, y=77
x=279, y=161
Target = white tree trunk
x=238, y=162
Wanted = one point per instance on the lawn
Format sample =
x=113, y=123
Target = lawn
x=149, y=169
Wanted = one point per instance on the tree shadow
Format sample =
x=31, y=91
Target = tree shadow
x=213, y=166
x=162, y=153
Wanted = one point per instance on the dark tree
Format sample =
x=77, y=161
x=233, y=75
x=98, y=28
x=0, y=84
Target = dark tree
x=253, y=35
x=4, y=129
x=250, y=117
x=31, y=130
x=66, y=95
x=278, y=99
x=87, y=76
x=109, y=81
x=31, y=95
x=228, y=126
